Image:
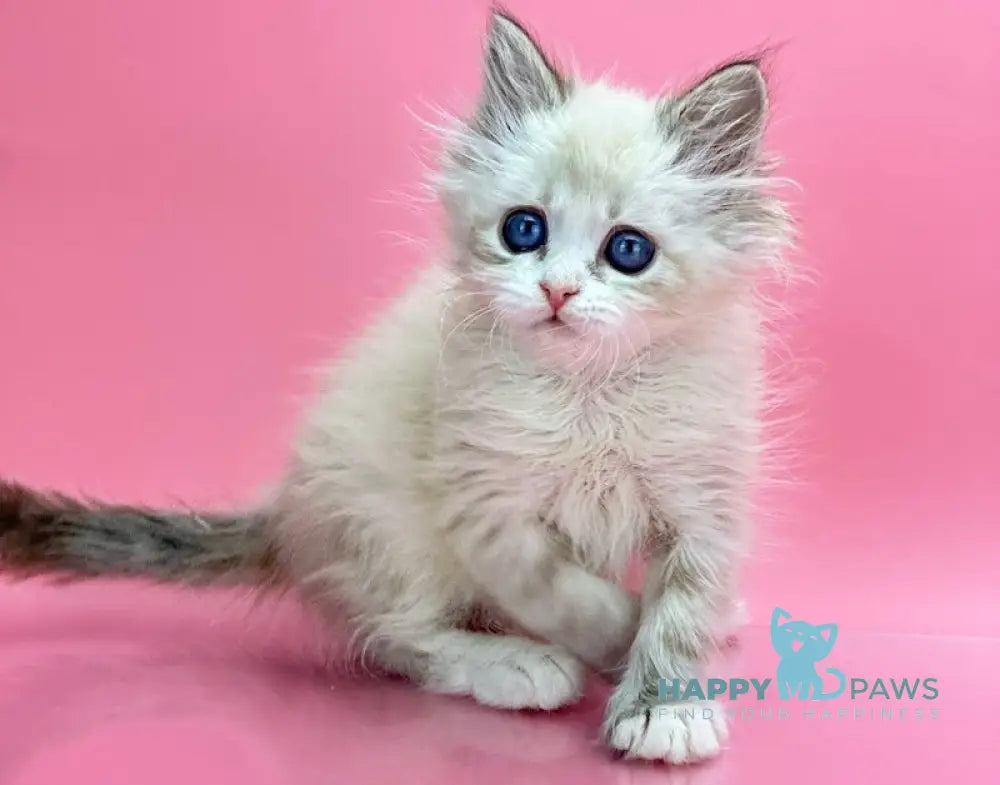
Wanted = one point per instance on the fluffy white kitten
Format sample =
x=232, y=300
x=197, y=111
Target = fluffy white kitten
x=576, y=383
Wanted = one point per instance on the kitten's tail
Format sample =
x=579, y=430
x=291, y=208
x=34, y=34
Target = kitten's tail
x=840, y=688
x=52, y=534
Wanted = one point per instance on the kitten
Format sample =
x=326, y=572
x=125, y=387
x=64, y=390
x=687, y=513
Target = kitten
x=576, y=383
x=801, y=645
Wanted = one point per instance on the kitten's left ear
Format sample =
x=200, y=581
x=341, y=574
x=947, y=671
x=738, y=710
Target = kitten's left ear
x=517, y=79
x=720, y=121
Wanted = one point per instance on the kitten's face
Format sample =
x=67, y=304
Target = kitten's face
x=591, y=220
x=812, y=641
x=587, y=180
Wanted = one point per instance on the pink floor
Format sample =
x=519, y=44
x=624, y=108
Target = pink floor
x=109, y=686
x=200, y=199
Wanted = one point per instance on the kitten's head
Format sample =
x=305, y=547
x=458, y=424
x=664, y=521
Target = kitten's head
x=812, y=641
x=589, y=216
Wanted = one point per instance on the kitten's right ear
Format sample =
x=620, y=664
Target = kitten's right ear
x=778, y=615
x=517, y=79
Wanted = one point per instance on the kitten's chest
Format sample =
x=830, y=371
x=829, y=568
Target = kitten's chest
x=584, y=462
x=576, y=460
x=600, y=507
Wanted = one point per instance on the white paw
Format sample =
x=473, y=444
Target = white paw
x=682, y=732
x=528, y=676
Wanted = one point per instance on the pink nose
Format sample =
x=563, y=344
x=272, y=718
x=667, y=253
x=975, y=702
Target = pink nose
x=557, y=295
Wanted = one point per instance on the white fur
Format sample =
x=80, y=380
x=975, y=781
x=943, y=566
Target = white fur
x=675, y=732
x=505, y=671
x=469, y=457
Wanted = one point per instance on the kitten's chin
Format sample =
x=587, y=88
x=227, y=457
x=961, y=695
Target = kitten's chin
x=571, y=348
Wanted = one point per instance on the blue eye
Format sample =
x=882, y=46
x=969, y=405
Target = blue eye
x=629, y=251
x=524, y=230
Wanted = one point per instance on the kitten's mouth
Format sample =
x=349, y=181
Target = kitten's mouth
x=797, y=644
x=554, y=323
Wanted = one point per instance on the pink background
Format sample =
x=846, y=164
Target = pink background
x=201, y=199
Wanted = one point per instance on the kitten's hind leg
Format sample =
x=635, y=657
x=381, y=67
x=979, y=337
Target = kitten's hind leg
x=504, y=671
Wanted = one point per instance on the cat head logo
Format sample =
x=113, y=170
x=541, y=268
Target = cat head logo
x=801, y=645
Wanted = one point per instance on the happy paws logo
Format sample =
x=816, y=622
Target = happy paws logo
x=801, y=645
x=801, y=674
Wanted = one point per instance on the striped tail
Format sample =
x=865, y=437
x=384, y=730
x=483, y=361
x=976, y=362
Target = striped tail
x=52, y=534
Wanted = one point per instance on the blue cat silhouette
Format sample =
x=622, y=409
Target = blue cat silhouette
x=801, y=645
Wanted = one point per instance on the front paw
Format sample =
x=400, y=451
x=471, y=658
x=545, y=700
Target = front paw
x=683, y=732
